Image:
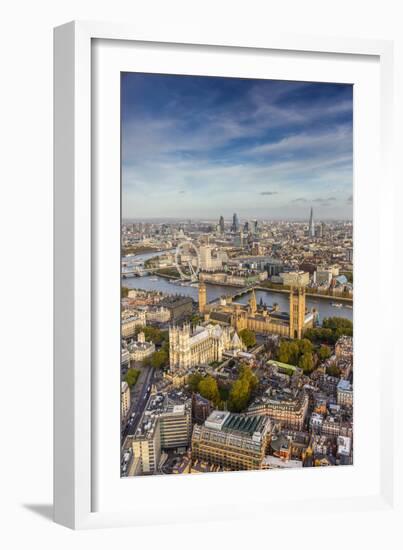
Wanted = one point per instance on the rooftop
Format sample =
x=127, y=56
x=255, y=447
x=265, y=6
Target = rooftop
x=280, y=365
x=176, y=300
x=271, y=461
x=216, y=419
x=243, y=424
x=344, y=385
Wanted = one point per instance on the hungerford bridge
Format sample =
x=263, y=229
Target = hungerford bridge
x=187, y=264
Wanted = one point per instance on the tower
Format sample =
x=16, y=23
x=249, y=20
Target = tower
x=173, y=347
x=311, y=224
x=202, y=297
x=205, y=257
x=222, y=225
x=297, y=311
x=235, y=223
x=252, y=303
x=179, y=348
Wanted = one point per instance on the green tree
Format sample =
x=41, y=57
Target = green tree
x=132, y=376
x=239, y=395
x=246, y=373
x=165, y=347
x=124, y=291
x=153, y=334
x=324, y=352
x=288, y=352
x=333, y=370
x=283, y=352
x=208, y=388
x=318, y=335
x=193, y=381
x=241, y=389
x=305, y=346
x=248, y=337
x=335, y=323
x=158, y=359
x=306, y=362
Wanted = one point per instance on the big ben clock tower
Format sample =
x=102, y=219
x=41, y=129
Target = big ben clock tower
x=297, y=311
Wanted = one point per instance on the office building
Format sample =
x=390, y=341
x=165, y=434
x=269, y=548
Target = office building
x=235, y=223
x=129, y=324
x=158, y=314
x=125, y=399
x=201, y=408
x=288, y=408
x=345, y=393
x=146, y=446
x=125, y=359
x=232, y=441
x=295, y=278
x=221, y=225
x=211, y=259
x=166, y=424
x=311, y=225
x=175, y=425
x=178, y=306
x=344, y=348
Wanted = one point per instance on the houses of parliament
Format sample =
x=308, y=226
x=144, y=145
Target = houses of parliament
x=263, y=319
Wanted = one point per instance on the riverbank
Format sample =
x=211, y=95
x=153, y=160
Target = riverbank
x=137, y=251
x=263, y=295
x=245, y=290
x=310, y=294
x=166, y=276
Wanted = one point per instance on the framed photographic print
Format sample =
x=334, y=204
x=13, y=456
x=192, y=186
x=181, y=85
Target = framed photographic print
x=217, y=212
x=237, y=302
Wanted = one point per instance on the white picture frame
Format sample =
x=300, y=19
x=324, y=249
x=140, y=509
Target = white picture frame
x=83, y=495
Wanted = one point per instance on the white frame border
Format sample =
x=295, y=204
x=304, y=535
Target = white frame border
x=72, y=271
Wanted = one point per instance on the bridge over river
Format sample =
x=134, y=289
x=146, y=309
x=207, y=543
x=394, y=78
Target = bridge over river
x=263, y=295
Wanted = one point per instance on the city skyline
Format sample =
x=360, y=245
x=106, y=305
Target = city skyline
x=236, y=346
x=266, y=149
x=228, y=219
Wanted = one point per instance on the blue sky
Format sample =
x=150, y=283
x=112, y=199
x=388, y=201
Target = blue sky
x=199, y=147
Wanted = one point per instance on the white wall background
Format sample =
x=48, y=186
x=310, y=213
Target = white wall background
x=26, y=260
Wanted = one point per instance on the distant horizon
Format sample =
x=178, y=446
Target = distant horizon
x=228, y=219
x=192, y=146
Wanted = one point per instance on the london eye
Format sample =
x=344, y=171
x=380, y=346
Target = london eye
x=187, y=261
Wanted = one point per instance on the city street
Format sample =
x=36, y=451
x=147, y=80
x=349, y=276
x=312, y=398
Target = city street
x=139, y=397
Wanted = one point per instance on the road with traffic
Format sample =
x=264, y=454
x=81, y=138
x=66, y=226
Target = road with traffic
x=139, y=397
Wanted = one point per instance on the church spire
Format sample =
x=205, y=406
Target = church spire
x=252, y=303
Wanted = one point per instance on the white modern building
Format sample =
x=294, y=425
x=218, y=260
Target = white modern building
x=125, y=399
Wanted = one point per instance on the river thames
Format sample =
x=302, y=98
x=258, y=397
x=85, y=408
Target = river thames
x=267, y=297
